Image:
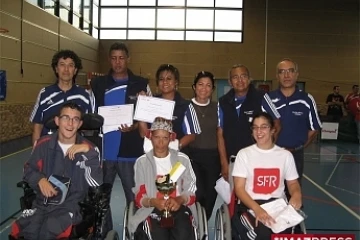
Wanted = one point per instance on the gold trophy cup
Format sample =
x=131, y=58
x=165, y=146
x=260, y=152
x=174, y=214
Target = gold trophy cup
x=166, y=186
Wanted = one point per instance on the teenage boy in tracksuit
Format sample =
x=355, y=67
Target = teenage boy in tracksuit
x=67, y=154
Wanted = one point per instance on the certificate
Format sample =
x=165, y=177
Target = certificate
x=116, y=115
x=148, y=108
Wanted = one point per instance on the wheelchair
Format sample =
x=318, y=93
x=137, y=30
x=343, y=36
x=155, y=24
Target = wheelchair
x=223, y=230
x=95, y=210
x=201, y=231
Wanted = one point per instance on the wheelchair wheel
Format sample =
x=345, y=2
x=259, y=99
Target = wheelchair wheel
x=202, y=227
x=112, y=235
x=223, y=223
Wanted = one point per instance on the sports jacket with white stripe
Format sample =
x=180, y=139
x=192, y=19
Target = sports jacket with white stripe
x=47, y=158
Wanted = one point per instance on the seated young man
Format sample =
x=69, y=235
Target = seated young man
x=63, y=155
x=149, y=168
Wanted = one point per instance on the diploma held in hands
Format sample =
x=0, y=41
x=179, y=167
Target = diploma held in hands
x=116, y=115
x=148, y=108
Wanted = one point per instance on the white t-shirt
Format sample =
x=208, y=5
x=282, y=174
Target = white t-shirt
x=265, y=171
x=163, y=165
x=64, y=147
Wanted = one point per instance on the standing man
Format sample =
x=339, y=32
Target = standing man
x=335, y=102
x=120, y=148
x=354, y=93
x=235, y=114
x=300, y=121
x=66, y=65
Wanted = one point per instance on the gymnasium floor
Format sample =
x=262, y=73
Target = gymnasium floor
x=331, y=189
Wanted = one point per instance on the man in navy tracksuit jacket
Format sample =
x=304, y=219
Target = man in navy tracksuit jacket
x=120, y=148
x=67, y=154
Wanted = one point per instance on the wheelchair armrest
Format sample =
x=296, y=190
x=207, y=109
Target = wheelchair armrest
x=105, y=189
x=23, y=185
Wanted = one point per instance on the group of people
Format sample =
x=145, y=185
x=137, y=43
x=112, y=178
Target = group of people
x=256, y=127
x=351, y=103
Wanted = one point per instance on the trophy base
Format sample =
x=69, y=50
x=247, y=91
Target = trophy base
x=167, y=222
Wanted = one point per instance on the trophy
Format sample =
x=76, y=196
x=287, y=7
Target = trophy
x=166, y=187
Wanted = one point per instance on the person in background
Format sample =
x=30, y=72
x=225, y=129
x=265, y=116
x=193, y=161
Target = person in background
x=203, y=150
x=120, y=148
x=185, y=121
x=66, y=65
x=354, y=93
x=236, y=110
x=335, y=102
x=354, y=108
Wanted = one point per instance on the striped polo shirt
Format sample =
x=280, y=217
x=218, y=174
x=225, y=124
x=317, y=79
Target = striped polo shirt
x=51, y=98
x=298, y=116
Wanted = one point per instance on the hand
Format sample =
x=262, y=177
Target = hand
x=126, y=128
x=262, y=216
x=46, y=188
x=158, y=203
x=142, y=93
x=173, y=204
x=296, y=201
x=77, y=148
x=225, y=170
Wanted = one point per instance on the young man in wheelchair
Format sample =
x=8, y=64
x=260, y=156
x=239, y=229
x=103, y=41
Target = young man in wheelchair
x=260, y=172
x=61, y=168
x=148, y=222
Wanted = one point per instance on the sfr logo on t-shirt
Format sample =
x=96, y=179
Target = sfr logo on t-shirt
x=266, y=180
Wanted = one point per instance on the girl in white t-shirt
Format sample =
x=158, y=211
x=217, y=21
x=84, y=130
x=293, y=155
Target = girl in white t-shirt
x=260, y=172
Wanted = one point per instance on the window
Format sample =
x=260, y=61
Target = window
x=228, y=20
x=171, y=18
x=112, y=34
x=77, y=6
x=170, y=35
x=199, y=19
x=175, y=3
x=76, y=21
x=147, y=19
x=95, y=18
x=193, y=20
x=113, y=18
x=80, y=13
x=113, y=2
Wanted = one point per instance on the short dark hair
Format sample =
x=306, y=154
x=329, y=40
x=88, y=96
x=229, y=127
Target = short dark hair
x=239, y=66
x=204, y=74
x=120, y=47
x=170, y=68
x=65, y=54
x=296, y=66
x=71, y=105
x=335, y=87
x=265, y=115
x=355, y=86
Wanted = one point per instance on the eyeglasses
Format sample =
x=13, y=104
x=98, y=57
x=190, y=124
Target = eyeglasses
x=67, y=118
x=262, y=128
x=240, y=77
x=283, y=71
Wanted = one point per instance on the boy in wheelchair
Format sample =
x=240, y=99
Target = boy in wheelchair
x=148, y=221
x=260, y=172
x=61, y=168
